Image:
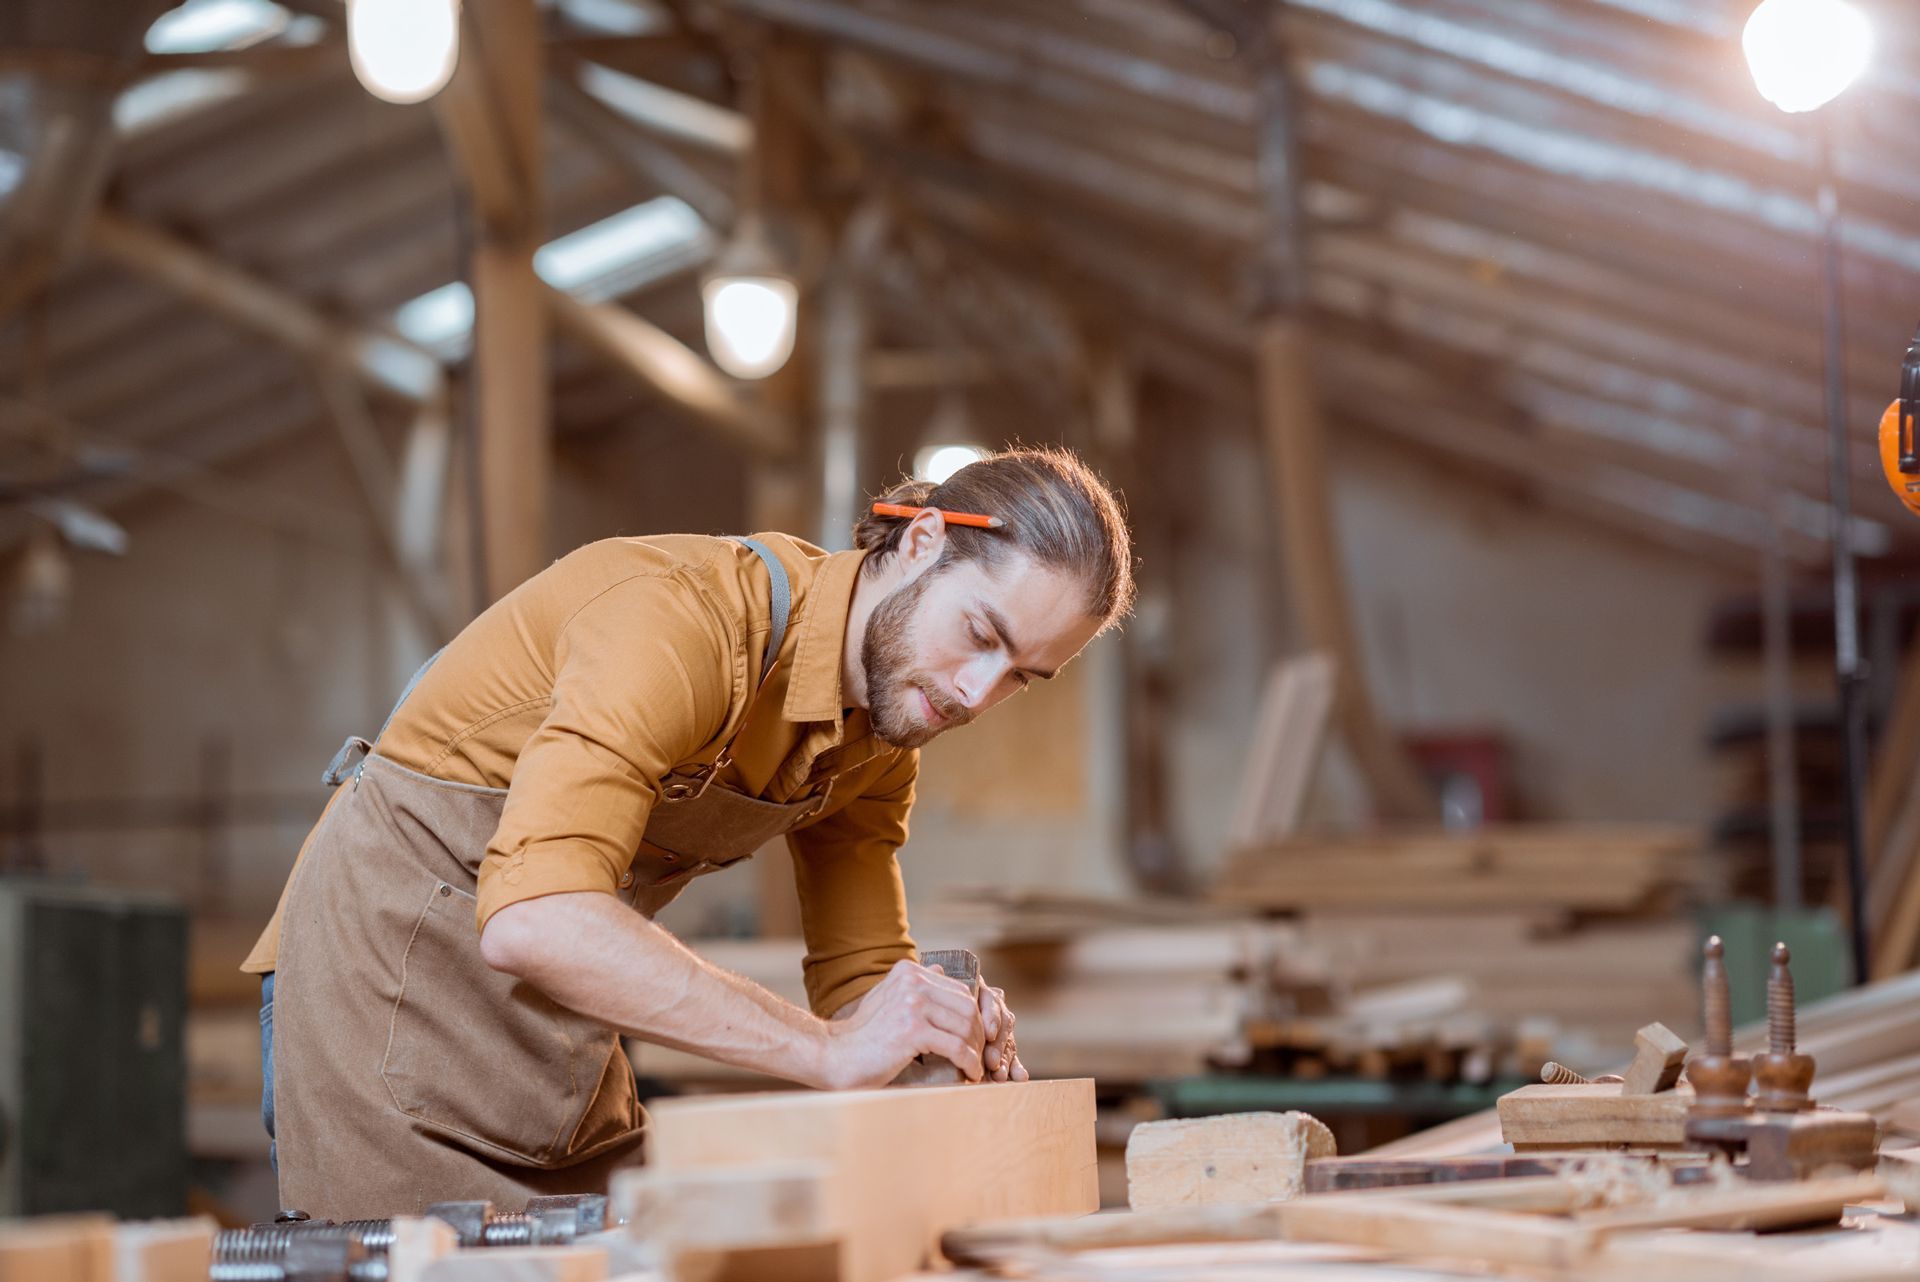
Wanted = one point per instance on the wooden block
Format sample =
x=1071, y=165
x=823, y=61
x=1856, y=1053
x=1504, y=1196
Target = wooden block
x=901, y=1165
x=164, y=1251
x=519, y=1264
x=1593, y=1115
x=1241, y=1157
x=766, y=1204
x=61, y=1248
x=417, y=1243
x=1659, y=1055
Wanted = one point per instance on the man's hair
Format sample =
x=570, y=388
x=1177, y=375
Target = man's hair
x=1055, y=508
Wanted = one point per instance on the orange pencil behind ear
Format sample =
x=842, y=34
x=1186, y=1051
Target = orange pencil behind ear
x=974, y=519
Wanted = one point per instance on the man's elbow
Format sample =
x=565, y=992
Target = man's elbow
x=509, y=942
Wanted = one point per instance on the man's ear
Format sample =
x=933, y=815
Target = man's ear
x=924, y=539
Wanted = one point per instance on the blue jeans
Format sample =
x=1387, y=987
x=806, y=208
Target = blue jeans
x=266, y=1068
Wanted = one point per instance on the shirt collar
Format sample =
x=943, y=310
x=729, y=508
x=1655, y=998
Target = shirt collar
x=813, y=686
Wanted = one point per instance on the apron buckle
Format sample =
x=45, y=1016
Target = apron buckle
x=689, y=787
x=350, y=757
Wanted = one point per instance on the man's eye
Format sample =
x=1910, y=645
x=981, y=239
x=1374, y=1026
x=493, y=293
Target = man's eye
x=978, y=637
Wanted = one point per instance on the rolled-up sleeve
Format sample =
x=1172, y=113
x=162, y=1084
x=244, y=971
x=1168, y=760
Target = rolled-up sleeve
x=644, y=680
x=853, y=907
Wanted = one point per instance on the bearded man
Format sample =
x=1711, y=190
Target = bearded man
x=468, y=929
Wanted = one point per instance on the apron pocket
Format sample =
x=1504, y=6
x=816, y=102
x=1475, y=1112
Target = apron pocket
x=492, y=1063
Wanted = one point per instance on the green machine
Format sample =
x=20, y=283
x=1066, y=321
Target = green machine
x=93, y=1003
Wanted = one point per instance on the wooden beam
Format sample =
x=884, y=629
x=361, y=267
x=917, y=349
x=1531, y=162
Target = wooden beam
x=1296, y=447
x=664, y=363
x=903, y=1165
x=381, y=362
x=490, y=113
x=635, y=148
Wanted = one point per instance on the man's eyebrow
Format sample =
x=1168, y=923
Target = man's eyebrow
x=999, y=626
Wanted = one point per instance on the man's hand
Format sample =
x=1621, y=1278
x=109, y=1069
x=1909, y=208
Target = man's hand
x=914, y=1010
x=1001, y=1058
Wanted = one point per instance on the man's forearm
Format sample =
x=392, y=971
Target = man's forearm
x=591, y=953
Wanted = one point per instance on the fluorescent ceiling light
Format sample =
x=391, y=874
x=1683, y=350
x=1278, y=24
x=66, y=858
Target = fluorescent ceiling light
x=203, y=26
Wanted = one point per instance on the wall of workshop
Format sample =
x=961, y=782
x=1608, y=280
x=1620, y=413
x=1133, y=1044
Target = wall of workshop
x=1583, y=647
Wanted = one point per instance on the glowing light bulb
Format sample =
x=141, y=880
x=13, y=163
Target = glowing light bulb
x=938, y=462
x=1804, y=53
x=750, y=322
x=403, y=50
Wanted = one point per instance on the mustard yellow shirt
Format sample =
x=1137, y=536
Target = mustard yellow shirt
x=581, y=690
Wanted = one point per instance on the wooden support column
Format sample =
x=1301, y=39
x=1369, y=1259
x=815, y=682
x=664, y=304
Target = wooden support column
x=1295, y=431
x=775, y=180
x=490, y=113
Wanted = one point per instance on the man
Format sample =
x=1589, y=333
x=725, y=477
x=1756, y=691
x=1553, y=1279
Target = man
x=467, y=929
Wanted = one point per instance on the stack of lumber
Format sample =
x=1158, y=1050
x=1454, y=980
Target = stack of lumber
x=1614, y=870
x=1865, y=1042
x=1431, y=1029
x=1583, y=987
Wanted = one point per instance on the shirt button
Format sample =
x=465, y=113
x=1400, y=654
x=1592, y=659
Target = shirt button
x=626, y=879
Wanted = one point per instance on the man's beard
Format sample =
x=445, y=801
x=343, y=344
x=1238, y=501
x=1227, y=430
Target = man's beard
x=886, y=655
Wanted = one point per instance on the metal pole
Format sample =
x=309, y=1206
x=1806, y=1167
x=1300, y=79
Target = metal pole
x=1846, y=626
x=1783, y=784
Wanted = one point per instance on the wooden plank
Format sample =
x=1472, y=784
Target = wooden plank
x=519, y=1264
x=902, y=1165
x=1295, y=433
x=163, y=1250
x=67, y=1248
x=1241, y=1157
x=1288, y=733
x=768, y=1221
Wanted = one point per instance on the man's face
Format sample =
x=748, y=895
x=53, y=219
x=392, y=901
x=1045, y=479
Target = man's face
x=956, y=639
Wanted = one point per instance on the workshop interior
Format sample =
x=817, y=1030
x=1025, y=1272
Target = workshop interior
x=510, y=511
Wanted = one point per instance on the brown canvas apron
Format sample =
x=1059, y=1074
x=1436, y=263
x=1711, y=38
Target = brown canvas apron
x=406, y=1070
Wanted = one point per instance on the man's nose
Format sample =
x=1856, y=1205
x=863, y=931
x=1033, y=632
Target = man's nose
x=976, y=680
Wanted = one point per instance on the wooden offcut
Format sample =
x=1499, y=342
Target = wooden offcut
x=520, y=1264
x=902, y=1165
x=1659, y=1056
x=165, y=1251
x=1240, y=1157
x=68, y=1248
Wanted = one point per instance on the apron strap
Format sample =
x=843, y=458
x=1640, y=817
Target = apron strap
x=355, y=749
x=782, y=600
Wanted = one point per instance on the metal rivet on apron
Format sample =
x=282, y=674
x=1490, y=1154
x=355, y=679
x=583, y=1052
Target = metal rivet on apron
x=671, y=859
x=445, y=889
x=626, y=879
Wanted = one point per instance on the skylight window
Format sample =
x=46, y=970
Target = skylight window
x=615, y=17
x=620, y=253
x=177, y=93
x=203, y=26
x=439, y=318
x=603, y=260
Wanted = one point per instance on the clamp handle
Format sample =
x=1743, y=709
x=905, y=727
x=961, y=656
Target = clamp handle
x=1910, y=406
